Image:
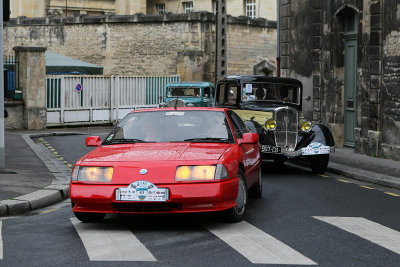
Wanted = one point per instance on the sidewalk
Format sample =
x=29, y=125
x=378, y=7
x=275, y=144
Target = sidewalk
x=35, y=178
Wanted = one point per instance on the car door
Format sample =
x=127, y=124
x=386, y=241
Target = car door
x=251, y=152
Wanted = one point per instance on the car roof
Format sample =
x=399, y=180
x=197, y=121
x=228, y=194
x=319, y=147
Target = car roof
x=189, y=83
x=261, y=78
x=181, y=109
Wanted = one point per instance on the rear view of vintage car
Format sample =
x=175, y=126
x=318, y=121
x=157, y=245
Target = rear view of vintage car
x=272, y=107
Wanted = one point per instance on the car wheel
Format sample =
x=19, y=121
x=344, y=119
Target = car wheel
x=319, y=163
x=236, y=213
x=89, y=217
x=256, y=191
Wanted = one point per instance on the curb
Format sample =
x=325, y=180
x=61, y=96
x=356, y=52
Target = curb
x=367, y=176
x=57, y=191
x=359, y=174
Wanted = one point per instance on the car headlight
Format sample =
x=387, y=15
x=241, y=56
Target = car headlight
x=270, y=124
x=305, y=126
x=92, y=174
x=200, y=172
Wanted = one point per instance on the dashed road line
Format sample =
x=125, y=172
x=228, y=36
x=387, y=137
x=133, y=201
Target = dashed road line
x=392, y=194
x=111, y=242
x=323, y=175
x=256, y=245
x=344, y=181
x=369, y=230
x=47, y=211
x=367, y=187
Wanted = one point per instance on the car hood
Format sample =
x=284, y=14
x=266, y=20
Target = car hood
x=159, y=159
x=157, y=152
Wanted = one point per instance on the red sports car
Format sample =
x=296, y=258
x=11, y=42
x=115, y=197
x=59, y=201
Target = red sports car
x=169, y=160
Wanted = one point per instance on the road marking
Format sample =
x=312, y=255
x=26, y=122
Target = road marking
x=69, y=165
x=392, y=194
x=344, y=181
x=367, y=187
x=60, y=158
x=47, y=211
x=111, y=242
x=256, y=245
x=1, y=241
x=323, y=175
x=55, y=153
x=369, y=230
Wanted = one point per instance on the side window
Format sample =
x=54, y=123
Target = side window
x=206, y=92
x=242, y=126
x=232, y=94
x=221, y=94
x=238, y=125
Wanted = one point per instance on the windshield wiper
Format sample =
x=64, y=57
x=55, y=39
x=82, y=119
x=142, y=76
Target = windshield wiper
x=123, y=141
x=207, y=139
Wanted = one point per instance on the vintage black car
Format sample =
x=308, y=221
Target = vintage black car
x=272, y=107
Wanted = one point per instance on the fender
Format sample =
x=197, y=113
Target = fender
x=319, y=133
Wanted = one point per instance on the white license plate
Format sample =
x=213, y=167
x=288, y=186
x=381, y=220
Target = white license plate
x=308, y=151
x=142, y=191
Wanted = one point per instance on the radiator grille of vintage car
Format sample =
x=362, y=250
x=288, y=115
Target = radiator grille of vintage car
x=286, y=128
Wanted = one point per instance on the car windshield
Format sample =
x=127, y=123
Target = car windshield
x=183, y=91
x=172, y=126
x=287, y=93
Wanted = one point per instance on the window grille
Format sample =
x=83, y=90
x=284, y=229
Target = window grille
x=251, y=8
x=187, y=7
x=160, y=8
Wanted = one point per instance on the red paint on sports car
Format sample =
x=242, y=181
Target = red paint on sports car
x=169, y=161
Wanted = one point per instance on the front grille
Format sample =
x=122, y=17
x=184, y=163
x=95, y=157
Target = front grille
x=286, y=128
x=146, y=207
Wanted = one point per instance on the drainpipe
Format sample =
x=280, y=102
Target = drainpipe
x=278, y=52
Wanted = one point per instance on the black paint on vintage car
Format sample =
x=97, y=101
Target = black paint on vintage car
x=259, y=98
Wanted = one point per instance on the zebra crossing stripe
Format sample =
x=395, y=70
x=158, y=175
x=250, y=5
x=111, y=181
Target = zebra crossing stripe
x=111, y=242
x=369, y=230
x=256, y=245
x=1, y=242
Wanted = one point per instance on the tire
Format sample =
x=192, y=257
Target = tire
x=89, y=217
x=236, y=214
x=256, y=191
x=319, y=163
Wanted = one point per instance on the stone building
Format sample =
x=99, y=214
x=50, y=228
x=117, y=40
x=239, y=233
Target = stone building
x=347, y=53
x=62, y=8
x=149, y=45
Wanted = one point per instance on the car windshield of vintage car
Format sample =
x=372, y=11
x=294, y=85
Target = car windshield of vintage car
x=172, y=126
x=287, y=93
x=183, y=92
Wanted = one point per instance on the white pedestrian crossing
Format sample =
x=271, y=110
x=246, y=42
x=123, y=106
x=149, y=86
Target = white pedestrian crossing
x=369, y=230
x=111, y=242
x=256, y=245
x=1, y=241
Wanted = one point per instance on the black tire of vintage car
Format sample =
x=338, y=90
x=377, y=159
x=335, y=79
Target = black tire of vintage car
x=272, y=107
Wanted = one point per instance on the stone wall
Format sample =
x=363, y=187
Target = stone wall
x=313, y=51
x=147, y=44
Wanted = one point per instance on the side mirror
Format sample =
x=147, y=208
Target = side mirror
x=93, y=140
x=249, y=138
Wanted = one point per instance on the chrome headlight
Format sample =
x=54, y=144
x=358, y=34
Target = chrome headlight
x=270, y=124
x=92, y=174
x=200, y=172
x=305, y=126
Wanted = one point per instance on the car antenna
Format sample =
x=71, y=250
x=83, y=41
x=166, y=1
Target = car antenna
x=176, y=103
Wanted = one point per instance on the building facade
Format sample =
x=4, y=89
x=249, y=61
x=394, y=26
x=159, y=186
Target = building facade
x=347, y=53
x=64, y=8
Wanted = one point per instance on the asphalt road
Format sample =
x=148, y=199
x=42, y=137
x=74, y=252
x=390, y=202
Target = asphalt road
x=292, y=224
